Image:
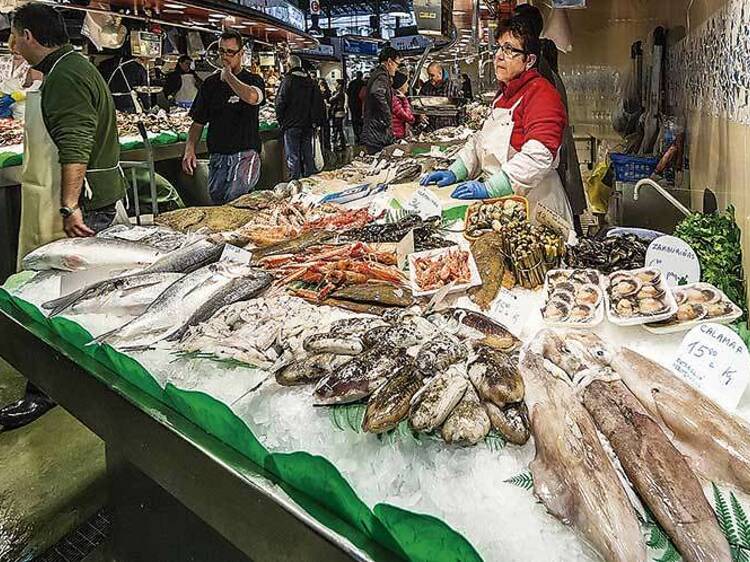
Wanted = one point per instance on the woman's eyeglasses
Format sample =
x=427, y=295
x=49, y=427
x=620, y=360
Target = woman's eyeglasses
x=508, y=51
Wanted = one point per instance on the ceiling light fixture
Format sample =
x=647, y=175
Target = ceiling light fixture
x=174, y=6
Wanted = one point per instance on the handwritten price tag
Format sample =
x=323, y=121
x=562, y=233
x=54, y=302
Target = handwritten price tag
x=675, y=258
x=235, y=254
x=509, y=311
x=714, y=360
x=425, y=203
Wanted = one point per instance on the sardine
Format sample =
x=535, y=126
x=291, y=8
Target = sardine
x=495, y=376
x=512, y=422
x=436, y=400
x=436, y=355
x=128, y=294
x=331, y=343
x=189, y=258
x=389, y=404
x=468, y=423
x=174, y=307
x=573, y=476
x=487, y=251
x=79, y=254
x=656, y=469
x=358, y=378
x=716, y=443
x=310, y=369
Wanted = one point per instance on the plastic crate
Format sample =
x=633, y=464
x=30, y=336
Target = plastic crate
x=630, y=169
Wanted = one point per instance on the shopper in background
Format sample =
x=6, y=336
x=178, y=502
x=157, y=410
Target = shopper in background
x=229, y=101
x=181, y=85
x=466, y=89
x=326, y=126
x=403, y=116
x=569, y=167
x=440, y=85
x=299, y=109
x=355, y=104
x=338, y=112
x=377, y=129
x=516, y=150
x=123, y=75
x=71, y=181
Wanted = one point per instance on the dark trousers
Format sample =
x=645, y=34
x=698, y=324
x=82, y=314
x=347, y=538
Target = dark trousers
x=357, y=126
x=338, y=139
x=298, y=148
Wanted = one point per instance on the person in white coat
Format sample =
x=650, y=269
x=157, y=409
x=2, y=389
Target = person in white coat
x=516, y=151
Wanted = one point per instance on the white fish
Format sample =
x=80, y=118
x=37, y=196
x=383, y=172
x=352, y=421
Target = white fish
x=79, y=254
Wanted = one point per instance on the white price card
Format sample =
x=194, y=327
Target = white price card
x=676, y=260
x=425, y=203
x=716, y=361
x=234, y=254
x=404, y=248
x=509, y=311
x=553, y=220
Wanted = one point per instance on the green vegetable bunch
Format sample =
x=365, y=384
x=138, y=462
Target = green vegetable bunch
x=716, y=239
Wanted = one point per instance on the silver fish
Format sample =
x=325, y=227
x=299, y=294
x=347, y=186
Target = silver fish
x=174, y=307
x=436, y=400
x=512, y=422
x=438, y=354
x=468, y=423
x=128, y=294
x=310, y=369
x=327, y=342
x=159, y=237
x=188, y=258
x=573, y=476
x=495, y=376
x=79, y=254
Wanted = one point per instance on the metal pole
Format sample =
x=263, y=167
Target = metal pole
x=420, y=64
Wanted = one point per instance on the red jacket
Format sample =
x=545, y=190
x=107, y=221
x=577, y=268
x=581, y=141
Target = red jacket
x=402, y=115
x=541, y=114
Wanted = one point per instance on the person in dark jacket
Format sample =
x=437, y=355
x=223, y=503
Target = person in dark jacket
x=338, y=114
x=466, y=88
x=299, y=109
x=181, y=85
x=377, y=130
x=403, y=116
x=355, y=105
x=440, y=85
x=569, y=167
x=326, y=126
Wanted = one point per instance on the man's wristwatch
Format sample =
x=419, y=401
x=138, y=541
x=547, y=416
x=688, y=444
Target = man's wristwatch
x=67, y=211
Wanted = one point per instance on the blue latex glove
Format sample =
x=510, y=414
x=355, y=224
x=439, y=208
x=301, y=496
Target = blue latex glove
x=441, y=178
x=472, y=189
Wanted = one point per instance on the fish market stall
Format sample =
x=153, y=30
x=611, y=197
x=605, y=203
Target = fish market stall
x=345, y=370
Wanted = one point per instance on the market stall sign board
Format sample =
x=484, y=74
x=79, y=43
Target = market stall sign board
x=716, y=361
x=354, y=47
x=675, y=258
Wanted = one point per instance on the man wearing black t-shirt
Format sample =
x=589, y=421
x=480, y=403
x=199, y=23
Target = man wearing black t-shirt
x=228, y=101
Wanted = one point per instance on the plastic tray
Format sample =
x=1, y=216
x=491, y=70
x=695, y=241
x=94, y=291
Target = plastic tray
x=474, y=207
x=689, y=324
x=417, y=292
x=640, y=320
x=598, y=317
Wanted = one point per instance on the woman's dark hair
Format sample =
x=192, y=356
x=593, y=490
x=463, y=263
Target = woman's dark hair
x=232, y=34
x=519, y=28
x=549, y=53
x=388, y=53
x=532, y=15
x=399, y=79
x=43, y=22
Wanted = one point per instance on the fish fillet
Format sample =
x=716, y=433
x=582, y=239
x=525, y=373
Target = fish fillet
x=573, y=476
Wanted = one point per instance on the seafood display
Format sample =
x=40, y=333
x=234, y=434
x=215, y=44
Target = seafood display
x=11, y=132
x=78, y=254
x=427, y=234
x=638, y=296
x=531, y=251
x=488, y=215
x=573, y=297
x=434, y=269
x=697, y=303
x=159, y=122
x=487, y=252
x=608, y=254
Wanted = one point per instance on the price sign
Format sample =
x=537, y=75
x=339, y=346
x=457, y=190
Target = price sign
x=509, y=311
x=404, y=248
x=552, y=220
x=676, y=260
x=716, y=361
x=235, y=254
x=425, y=203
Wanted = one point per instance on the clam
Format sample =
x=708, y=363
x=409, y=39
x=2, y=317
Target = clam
x=649, y=276
x=626, y=308
x=650, y=292
x=650, y=307
x=588, y=294
x=690, y=311
x=556, y=311
x=582, y=313
x=717, y=309
x=624, y=287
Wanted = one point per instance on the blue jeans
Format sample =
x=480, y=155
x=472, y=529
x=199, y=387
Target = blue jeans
x=232, y=175
x=298, y=148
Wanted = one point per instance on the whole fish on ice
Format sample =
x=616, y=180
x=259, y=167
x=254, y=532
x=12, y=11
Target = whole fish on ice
x=79, y=254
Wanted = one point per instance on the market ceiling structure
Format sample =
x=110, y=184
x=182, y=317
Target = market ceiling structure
x=204, y=15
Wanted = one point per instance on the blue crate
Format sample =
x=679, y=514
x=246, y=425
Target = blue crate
x=630, y=169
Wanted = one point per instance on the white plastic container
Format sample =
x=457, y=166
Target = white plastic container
x=569, y=323
x=685, y=325
x=476, y=279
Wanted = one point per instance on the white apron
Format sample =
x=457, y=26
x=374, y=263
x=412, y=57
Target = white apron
x=187, y=91
x=489, y=149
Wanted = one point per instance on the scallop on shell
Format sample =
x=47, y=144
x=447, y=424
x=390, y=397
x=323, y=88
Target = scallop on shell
x=650, y=307
x=588, y=294
x=650, y=292
x=556, y=311
x=625, y=308
x=689, y=311
x=649, y=276
x=717, y=309
x=582, y=313
x=624, y=287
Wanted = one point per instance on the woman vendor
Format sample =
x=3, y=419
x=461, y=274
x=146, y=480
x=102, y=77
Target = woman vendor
x=517, y=149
